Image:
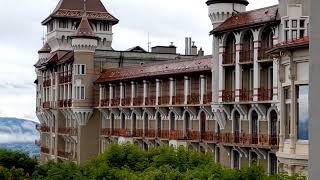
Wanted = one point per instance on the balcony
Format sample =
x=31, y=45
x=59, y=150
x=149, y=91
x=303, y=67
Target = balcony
x=246, y=56
x=242, y=139
x=138, y=101
x=194, y=99
x=177, y=135
x=106, y=132
x=246, y=95
x=65, y=155
x=126, y=101
x=68, y=131
x=115, y=102
x=164, y=100
x=46, y=105
x=178, y=99
x=265, y=94
x=45, y=129
x=45, y=150
x=262, y=55
x=65, y=79
x=105, y=102
x=65, y=103
x=228, y=96
x=207, y=98
x=47, y=83
x=229, y=58
x=150, y=101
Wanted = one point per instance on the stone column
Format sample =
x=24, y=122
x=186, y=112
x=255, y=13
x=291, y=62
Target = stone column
x=101, y=94
x=215, y=69
x=202, y=88
x=172, y=89
x=238, y=78
x=145, y=91
x=110, y=93
x=293, y=119
x=186, y=89
x=133, y=91
x=221, y=75
x=121, y=93
x=282, y=119
x=256, y=65
x=158, y=91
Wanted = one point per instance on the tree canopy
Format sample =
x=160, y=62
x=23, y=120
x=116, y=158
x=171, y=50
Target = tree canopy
x=128, y=162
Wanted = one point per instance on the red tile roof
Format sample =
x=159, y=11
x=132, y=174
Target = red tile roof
x=249, y=18
x=302, y=42
x=158, y=69
x=58, y=57
x=84, y=29
x=74, y=9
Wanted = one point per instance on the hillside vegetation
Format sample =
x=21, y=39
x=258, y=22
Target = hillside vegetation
x=128, y=162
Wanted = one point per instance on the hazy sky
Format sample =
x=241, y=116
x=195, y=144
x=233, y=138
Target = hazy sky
x=21, y=33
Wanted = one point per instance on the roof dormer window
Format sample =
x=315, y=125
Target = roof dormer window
x=294, y=28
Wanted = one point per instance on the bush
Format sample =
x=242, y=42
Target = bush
x=17, y=160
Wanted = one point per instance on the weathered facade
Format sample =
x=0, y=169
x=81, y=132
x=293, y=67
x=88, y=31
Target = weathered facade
x=244, y=104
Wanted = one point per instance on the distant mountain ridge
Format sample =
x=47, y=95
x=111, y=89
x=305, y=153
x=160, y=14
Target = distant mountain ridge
x=14, y=130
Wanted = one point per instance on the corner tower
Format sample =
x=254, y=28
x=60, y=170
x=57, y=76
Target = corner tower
x=64, y=21
x=220, y=10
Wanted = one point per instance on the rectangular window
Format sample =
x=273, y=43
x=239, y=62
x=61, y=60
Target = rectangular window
x=301, y=33
x=286, y=35
x=79, y=93
x=294, y=23
x=80, y=69
x=63, y=24
x=287, y=121
x=302, y=23
x=286, y=24
x=303, y=112
x=294, y=34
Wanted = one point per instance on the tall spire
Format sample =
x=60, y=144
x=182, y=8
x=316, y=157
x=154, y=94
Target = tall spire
x=84, y=8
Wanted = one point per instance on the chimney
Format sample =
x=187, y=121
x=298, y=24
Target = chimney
x=201, y=52
x=188, y=48
x=194, y=49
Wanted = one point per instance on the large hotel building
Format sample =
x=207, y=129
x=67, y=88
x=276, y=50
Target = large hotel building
x=245, y=103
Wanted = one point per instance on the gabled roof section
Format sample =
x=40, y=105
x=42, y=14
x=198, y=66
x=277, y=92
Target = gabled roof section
x=74, y=9
x=158, y=69
x=249, y=18
x=136, y=49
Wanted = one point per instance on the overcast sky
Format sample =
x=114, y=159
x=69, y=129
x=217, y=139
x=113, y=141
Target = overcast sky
x=21, y=33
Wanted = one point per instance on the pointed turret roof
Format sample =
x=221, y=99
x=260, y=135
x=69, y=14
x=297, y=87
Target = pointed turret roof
x=45, y=49
x=84, y=29
x=73, y=9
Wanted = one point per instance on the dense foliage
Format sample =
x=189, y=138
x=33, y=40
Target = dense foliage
x=128, y=162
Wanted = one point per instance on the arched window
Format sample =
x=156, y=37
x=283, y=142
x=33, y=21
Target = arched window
x=134, y=122
x=273, y=128
x=187, y=121
x=203, y=119
x=236, y=159
x=146, y=121
x=253, y=158
x=172, y=121
x=112, y=122
x=159, y=122
x=230, y=54
x=123, y=121
x=246, y=54
x=254, y=127
x=236, y=127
